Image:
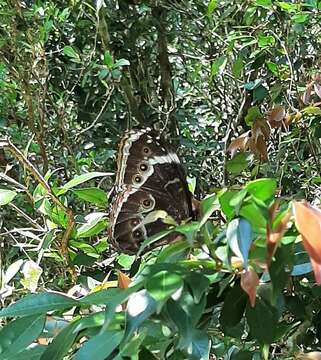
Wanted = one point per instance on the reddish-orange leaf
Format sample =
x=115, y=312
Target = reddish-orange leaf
x=123, y=280
x=249, y=282
x=276, y=116
x=240, y=143
x=262, y=148
x=308, y=223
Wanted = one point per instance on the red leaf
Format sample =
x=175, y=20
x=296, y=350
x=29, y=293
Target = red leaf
x=249, y=282
x=308, y=223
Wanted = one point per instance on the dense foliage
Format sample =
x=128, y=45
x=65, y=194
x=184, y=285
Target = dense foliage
x=236, y=87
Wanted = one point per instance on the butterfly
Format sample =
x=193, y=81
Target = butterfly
x=150, y=181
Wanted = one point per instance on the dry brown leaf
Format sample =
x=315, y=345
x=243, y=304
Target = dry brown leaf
x=249, y=282
x=275, y=116
x=240, y=143
x=261, y=127
x=123, y=280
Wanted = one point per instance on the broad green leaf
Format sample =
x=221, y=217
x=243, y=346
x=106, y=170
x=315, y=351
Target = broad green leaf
x=264, y=3
x=32, y=353
x=273, y=67
x=163, y=284
x=233, y=307
x=92, y=195
x=280, y=268
x=125, y=261
x=108, y=59
x=198, y=284
x=208, y=206
x=252, y=213
x=19, y=334
x=79, y=179
x=236, y=165
x=95, y=223
x=99, y=347
x=150, y=240
x=263, y=189
x=71, y=52
x=122, y=62
x=312, y=110
x=251, y=85
x=38, y=304
x=265, y=41
x=259, y=94
x=225, y=199
x=252, y=114
x=133, y=346
x=6, y=196
x=239, y=237
x=140, y=307
x=189, y=230
x=263, y=321
x=61, y=343
x=237, y=68
x=300, y=18
x=218, y=65
x=291, y=8
x=199, y=347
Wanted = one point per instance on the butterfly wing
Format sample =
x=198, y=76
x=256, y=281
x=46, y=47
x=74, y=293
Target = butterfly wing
x=150, y=177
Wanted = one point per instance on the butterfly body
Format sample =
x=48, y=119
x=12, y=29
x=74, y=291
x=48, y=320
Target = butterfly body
x=149, y=178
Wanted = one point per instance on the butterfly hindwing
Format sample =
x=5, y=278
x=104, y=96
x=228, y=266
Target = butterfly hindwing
x=149, y=178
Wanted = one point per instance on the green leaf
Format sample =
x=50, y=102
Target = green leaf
x=99, y=347
x=225, y=199
x=32, y=353
x=237, y=68
x=300, y=18
x=19, y=334
x=198, y=284
x=267, y=4
x=126, y=261
x=92, y=195
x=280, y=268
x=273, y=67
x=62, y=343
x=252, y=213
x=263, y=321
x=6, y=196
x=312, y=110
x=253, y=113
x=199, y=347
x=77, y=180
x=218, y=65
x=260, y=93
x=122, y=62
x=233, y=307
x=108, y=59
x=71, y=52
x=208, y=206
x=251, y=85
x=212, y=5
x=239, y=237
x=140, y=307
x=163, y=284
x=287, y=6
x=236, y=165
x=263, y=189
x=265, y=41
x=95, y=223
x=38, y=304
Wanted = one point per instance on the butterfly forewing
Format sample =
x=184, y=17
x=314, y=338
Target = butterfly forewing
x=150, y=181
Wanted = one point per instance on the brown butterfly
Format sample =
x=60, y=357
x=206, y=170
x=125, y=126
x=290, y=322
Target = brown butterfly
x=150, y=180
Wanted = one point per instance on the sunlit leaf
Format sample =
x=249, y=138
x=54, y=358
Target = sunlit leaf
x=6, y=196
x=239, y=237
